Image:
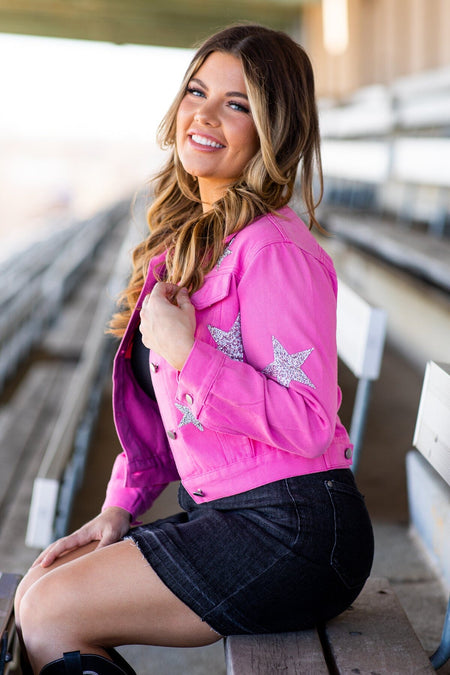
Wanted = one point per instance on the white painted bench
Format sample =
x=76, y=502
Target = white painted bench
x=374, y=634
x=428, y=473
x=361, y=332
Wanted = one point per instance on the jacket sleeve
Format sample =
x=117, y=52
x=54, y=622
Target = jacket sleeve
x=284, y=390
x=134, y=499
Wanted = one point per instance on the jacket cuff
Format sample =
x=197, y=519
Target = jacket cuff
x=199, y=373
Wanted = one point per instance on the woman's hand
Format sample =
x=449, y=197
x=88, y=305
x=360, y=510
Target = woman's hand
x=107, y=528
x=168, y=323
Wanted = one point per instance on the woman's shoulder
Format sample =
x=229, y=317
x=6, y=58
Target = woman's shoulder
x=282, y=227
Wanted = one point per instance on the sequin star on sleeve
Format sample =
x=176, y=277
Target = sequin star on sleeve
x=286, y=367
x=188, y=417
x=230, y=343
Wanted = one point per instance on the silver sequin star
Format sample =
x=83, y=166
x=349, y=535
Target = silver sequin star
x=226, y=252
x=223, y=256
x=286, y=367
x=188, y=417
x=229, y=343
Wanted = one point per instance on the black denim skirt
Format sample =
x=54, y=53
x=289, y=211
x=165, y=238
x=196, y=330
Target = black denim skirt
x=282, y=557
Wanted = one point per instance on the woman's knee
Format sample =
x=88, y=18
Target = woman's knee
x=40, y=610
x=33, y=575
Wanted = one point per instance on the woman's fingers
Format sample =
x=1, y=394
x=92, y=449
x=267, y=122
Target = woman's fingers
x=106, y=528
x=183, y=300
x=59, y=547
x=168, y=323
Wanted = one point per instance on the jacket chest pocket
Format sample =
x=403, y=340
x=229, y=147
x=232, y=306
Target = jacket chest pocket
x=216, y=304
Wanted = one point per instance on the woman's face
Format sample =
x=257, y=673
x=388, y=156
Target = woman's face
x=216, y=135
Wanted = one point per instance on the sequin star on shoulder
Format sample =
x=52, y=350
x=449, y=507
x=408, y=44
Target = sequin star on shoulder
x=227, y=251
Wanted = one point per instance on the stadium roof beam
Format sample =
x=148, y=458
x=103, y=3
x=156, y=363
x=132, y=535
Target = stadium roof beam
x=170, y=23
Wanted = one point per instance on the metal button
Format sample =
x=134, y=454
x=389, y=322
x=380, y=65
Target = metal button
x=329, y=483
x=348, y=453
x=154, y=367
x=189, y=399
x=199, y=493
x=172, y=434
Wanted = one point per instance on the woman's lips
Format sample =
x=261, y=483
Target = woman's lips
x=205, y=142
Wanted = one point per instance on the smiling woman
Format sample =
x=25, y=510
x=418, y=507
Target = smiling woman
x=225, y=378
x=216, y=135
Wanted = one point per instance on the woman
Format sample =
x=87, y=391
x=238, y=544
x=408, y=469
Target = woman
x=225, y=378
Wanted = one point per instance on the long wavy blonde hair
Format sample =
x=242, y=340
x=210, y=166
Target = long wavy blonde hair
x=280, y=87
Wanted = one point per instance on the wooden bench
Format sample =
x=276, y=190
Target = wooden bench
x=374, y=635
x=46, y=275
x=62, y=465
x=9, y=648
x=38, y=413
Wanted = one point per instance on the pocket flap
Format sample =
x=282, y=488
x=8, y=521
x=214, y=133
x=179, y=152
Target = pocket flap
x=214, y=288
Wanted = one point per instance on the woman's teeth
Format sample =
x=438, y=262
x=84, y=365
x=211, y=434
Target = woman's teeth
x=206, y=141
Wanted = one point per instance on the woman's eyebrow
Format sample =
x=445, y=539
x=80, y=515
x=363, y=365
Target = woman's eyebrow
x=238, y=94
x=228, y=93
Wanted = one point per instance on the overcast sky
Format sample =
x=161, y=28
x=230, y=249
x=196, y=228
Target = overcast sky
x=66, y=89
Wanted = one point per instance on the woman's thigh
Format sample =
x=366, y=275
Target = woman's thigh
x=35, y=573
x=108, y=597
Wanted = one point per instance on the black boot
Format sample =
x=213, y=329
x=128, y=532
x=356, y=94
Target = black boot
x=74, y=663
x=120, y=661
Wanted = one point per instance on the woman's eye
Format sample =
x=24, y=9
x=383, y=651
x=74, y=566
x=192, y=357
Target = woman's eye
x=238, y=107
x=194, y=91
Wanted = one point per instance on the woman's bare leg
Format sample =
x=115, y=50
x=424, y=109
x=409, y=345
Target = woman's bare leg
x=103, y=599
x=28, y=580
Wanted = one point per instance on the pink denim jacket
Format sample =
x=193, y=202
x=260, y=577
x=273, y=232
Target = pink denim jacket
x=257, y=398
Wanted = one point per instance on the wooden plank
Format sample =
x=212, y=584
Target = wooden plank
x=374, y=635
x=45, y=493
x=61, y=441
x=424, y=256
x=66, y=336
x=360, y=333
x=432, y=432
x=297, y=653
x=8, y=585
x=14, y=555
x=28, y=421
x=8, y=634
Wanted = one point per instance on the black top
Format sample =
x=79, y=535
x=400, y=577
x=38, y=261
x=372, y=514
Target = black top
x=140, y=365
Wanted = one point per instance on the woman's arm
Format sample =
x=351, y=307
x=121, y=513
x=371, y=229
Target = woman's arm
x=285, y=393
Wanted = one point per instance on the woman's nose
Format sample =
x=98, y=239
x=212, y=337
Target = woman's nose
x=207, y=113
